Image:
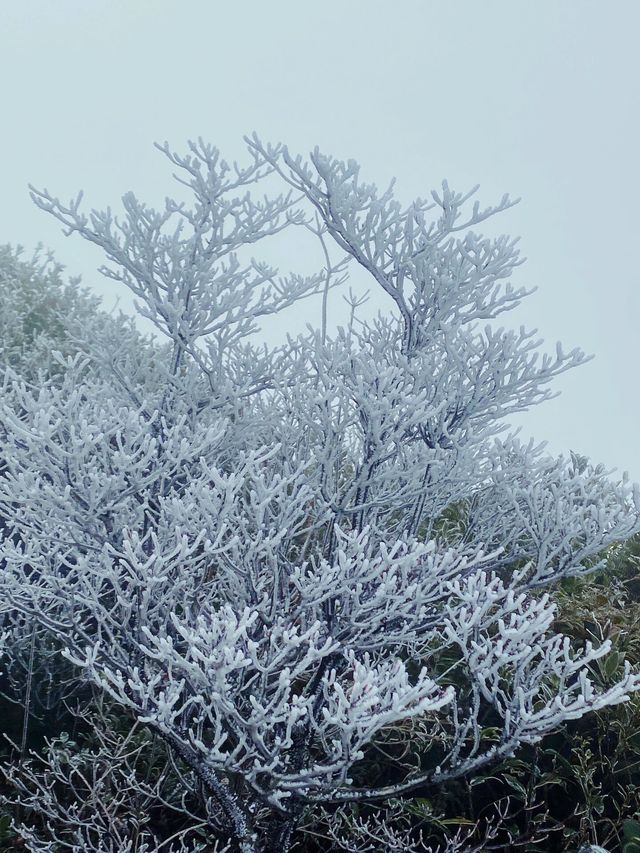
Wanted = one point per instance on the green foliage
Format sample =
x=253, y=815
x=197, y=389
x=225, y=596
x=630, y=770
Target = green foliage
x=9, y=839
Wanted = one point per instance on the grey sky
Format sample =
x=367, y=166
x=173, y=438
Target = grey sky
x=537, y=99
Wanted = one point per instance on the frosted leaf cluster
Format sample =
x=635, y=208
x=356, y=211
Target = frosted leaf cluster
x=271, y=557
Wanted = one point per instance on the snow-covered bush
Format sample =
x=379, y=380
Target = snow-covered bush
x=250, y=550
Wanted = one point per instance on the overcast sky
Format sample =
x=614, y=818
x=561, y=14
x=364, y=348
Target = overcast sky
x=538, y=99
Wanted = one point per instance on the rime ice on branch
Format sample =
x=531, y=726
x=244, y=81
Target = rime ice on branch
x=273, y=557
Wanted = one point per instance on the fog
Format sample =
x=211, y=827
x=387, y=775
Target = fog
x=536, y=99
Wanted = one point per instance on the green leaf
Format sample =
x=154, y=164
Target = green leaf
x=419, y=806
x=517, y=786
x=631, y=830
x=457, y=821
x=611, y=664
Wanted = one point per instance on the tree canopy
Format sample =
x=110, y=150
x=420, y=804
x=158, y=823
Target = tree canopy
x=272, y=559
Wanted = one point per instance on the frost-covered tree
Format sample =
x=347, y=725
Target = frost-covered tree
x=272, y=558
x=38, y=309
x=41, y=316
